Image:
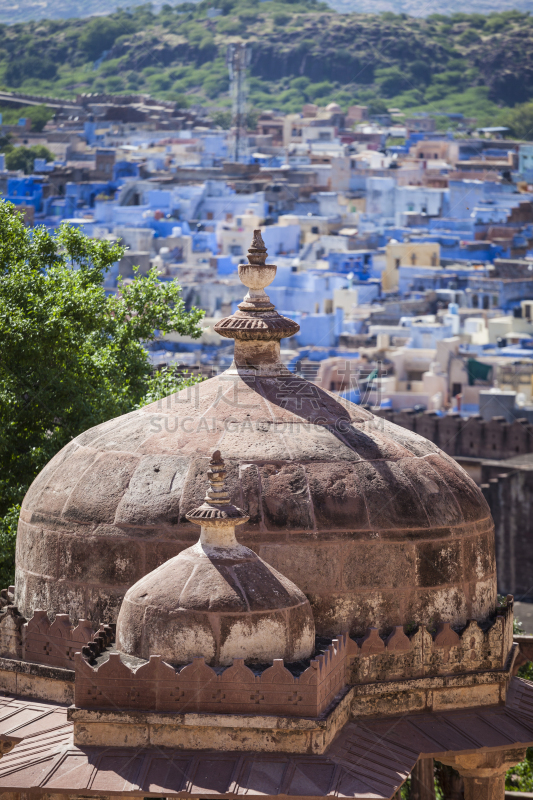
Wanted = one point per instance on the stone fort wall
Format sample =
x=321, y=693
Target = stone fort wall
x=471, y=437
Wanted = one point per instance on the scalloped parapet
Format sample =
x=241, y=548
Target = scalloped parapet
x=477, y=648
x=197, y=688
x=11, y=624
x=52, y=644
x=156, y=686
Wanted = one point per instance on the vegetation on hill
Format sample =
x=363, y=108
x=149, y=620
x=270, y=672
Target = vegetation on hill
x=302, y=51
x=26, y=10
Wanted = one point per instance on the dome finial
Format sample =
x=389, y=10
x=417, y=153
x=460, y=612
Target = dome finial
x=217, y=510
x=257, y=252
x=216, y=493
x=257, y=275
x=257, y=319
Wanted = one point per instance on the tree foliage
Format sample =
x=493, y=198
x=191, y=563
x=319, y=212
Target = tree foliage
x=24, y=157
x=100, y=34
x=520, y=121
x=436, y=64
x=39, y=116
x=72, y=356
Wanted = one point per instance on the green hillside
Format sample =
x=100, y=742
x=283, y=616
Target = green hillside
x=301, y=51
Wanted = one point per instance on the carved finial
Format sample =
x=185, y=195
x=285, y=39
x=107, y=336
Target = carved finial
x=257, y=252
x=217, y=509
x=256, y=275
x=256, y=319
x=216, y=494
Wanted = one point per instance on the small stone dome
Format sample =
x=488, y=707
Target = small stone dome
x=374, y=523
x=217, y=599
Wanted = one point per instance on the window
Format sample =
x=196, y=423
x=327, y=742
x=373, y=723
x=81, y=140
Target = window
x=413, y=259
x=433, y=259
x=235, y=250
x=475, y=301
x=328, y=306
x=397, y=263
x=485, y=301
x=527, y=309
x=456, y=389
x=314, y=229
x=495, y=301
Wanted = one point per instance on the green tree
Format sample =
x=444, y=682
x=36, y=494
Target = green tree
x=39, y=116
x=71, y=357
x=23, y=157
x=392, y=81
x=100, y=34
x=281, y=18
x=519, y=120
x=19, y=69
x=222, y=119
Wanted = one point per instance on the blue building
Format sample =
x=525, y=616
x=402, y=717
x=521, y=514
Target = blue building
x=26, y=191
x=358, y=262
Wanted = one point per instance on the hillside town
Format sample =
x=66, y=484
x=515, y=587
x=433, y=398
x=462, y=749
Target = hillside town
x=404, y=254
x=413, y=260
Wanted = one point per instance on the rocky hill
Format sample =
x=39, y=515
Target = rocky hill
x=300, y=52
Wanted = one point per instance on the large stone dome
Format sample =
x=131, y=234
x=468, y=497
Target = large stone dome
x=374, y=523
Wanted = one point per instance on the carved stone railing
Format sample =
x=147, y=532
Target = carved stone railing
x=156, y=686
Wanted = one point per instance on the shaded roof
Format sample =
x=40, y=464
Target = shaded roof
x=370, y=758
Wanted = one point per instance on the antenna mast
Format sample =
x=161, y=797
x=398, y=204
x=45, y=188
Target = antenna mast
x=237, y=60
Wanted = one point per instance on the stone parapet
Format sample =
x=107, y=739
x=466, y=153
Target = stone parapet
x=437, y=693
x=468, y=437
x=156, y=686
x=477, y=647
x=255, y=732
x=24, y=679
x=52, y=644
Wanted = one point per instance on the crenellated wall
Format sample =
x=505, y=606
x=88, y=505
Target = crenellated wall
x=472, y=436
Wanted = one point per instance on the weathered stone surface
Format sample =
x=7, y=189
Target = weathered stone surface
x=439, y=563
x=316, y=568
x=377, y=565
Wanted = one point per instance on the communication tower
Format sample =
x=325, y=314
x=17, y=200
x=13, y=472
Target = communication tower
x=238, y=59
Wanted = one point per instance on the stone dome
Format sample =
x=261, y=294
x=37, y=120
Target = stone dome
x=217, y=599
x=374, y=523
